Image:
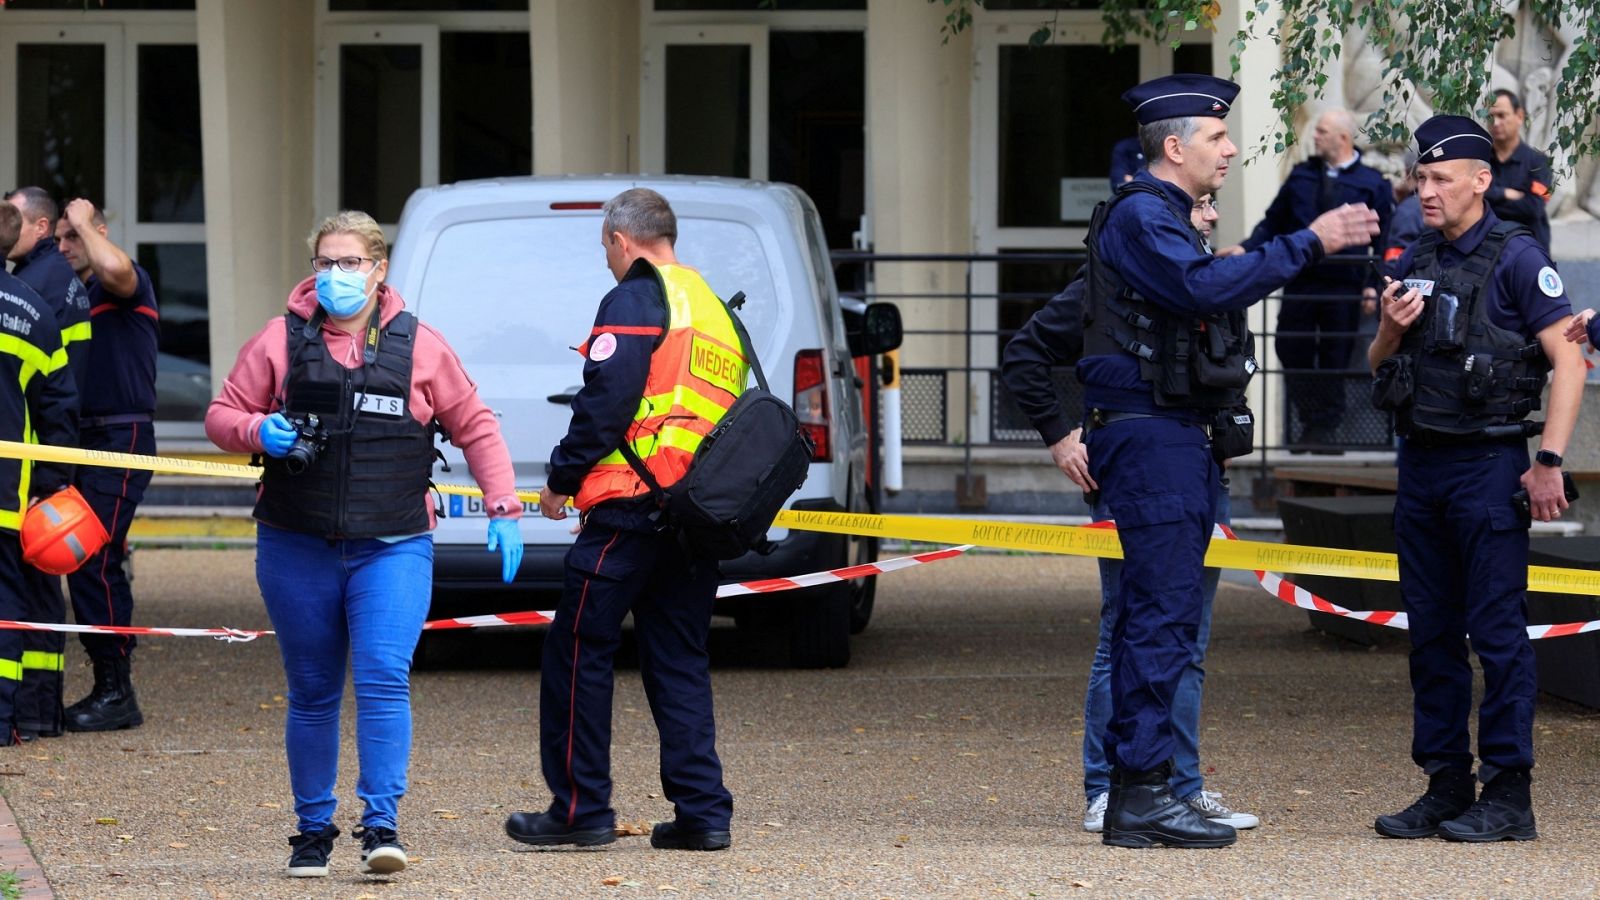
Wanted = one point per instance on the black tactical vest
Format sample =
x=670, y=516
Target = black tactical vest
x=1471, y=377
x=1190, y=363
x=370, y=474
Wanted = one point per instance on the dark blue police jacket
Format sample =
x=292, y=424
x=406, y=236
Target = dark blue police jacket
x=1300, y=200
x=1148, y=242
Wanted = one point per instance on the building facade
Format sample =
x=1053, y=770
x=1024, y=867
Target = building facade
x=216, y=132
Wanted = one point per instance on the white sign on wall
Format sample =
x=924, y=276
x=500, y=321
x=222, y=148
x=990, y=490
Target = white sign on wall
x=1079, y=196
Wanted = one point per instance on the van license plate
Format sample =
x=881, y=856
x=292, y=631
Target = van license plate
x=458, y=507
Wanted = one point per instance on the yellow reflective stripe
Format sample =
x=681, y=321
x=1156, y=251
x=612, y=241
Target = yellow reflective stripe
x=10, y=518
x=692, y=303
x=31, y=356
x=10, y=668
x=44, y=662
x=82, y=331
x=645, y=447
x=684, y=396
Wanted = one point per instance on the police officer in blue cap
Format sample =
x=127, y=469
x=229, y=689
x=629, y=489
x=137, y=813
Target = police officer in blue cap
x=1463, y=348
x=1166, y=359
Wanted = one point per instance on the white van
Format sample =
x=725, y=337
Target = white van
x=511, y=271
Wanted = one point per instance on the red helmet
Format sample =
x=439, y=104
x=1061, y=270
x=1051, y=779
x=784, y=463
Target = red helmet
x=61, y=532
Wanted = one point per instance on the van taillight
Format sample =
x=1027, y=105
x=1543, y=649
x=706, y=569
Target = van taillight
x=811, y=400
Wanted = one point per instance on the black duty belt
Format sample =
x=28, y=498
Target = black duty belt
x=1100, y=418
x=119, y=419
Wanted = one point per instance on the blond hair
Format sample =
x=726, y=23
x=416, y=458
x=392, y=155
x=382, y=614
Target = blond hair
x=351, y=221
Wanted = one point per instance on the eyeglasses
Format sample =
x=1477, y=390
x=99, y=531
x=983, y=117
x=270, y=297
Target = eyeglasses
x=1204, y=205
x=345, y=263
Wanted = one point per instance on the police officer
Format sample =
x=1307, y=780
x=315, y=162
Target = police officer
x=1522, y=180
x=119, y=403
x=1166, y=351
x=1461, y=355
x=643, y=386
x=1406, y=223
x=1319, y=315
x=1053, y=336
x=40, y=265
x=1126, y=161
x=38, y=402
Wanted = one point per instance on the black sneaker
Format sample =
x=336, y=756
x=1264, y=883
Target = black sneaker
x=381, y=850
x=542, y=830
x=668, y=836
x=1449, y=794
x=1503, y=813
x=309, y=858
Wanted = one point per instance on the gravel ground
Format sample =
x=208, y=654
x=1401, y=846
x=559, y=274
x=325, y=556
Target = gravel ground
x=943, y=762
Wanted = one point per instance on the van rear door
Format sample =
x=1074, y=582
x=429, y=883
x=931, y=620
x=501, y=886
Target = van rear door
x=513, y=297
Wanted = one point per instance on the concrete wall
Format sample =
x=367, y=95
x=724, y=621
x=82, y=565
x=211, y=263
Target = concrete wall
x=585, y=85
x=257, y=80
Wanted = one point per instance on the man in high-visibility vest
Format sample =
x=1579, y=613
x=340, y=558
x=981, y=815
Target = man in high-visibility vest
x=38, y=404
x=661, y=367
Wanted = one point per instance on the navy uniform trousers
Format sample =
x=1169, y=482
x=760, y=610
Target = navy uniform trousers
x=1318, y=334
x=39, y=704
x=1158, y=479
x=12, y=586
x=1464, y=571
x=101, y=594
x=611, y=572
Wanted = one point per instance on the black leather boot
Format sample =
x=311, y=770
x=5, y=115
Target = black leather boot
x=111, y=705
x=1449, y=795
x=1142, y=812
x=1503, y=813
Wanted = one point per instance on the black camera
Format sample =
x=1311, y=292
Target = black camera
x=310, y=440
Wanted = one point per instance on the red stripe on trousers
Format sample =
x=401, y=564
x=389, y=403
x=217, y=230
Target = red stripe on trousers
x=572, y=697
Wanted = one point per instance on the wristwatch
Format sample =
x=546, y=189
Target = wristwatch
x=1546, y=458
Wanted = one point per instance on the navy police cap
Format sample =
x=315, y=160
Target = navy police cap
x=1452, y=137
x=1180, y=96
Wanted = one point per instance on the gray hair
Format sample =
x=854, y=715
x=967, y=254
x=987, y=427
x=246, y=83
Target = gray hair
x=37, y=204
x=1153, y=135
x=641, y=214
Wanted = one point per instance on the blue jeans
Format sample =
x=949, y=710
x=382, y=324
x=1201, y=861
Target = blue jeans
x=361, y=599
x=1186, y=780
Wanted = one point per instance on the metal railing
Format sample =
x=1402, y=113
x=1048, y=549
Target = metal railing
x=959, y=399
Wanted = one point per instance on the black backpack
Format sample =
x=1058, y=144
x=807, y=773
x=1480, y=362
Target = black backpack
x=743, y=471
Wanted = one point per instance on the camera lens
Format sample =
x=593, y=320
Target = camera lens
x=300, y=456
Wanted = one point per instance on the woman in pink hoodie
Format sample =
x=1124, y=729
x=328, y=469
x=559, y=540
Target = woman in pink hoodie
x=342, y=397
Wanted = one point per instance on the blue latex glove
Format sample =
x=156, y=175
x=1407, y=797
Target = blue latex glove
x=505, y=535
x=277, y=435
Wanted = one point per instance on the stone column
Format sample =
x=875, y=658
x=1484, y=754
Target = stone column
x=257, y=99
x=585, y=85
x=1254, y=178
x=919, y=121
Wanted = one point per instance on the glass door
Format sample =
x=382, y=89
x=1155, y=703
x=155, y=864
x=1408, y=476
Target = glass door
x=704, y=101
x=64, y=106
x=1045, y=118
x=112, y=113
x=377, y=118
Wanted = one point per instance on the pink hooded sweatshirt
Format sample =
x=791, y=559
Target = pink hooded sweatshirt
x=440, y=389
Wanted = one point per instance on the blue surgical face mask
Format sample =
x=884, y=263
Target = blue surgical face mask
x=341, y=293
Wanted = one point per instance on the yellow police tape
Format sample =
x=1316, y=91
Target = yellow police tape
x=1073, y=540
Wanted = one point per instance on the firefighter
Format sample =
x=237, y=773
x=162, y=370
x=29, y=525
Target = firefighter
x=38, y=404
x=39, y=263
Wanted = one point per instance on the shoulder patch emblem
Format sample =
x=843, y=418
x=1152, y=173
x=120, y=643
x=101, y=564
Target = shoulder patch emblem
x=1550, y=282
x=603, y=345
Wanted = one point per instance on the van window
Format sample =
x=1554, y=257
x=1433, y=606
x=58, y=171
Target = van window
x=509, y=291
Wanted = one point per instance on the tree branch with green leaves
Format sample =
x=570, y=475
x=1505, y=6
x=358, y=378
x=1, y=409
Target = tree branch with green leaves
x=1440, y=52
